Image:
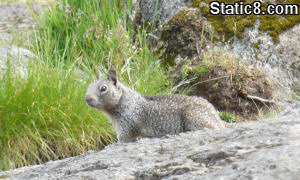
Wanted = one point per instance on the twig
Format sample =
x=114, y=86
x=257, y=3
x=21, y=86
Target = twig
x=153, y=36
x=260, y=99
x=213, y=79
x=198, y=47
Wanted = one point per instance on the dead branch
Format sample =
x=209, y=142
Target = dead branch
x=260, y=99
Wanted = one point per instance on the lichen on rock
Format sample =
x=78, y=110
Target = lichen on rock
x=228, y=26
x=184, y=34
x=269, y=45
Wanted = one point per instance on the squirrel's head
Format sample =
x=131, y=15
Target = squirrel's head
x=105, y=93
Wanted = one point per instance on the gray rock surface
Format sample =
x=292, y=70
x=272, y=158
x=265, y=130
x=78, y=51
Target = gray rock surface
x=15, y=16
x=16, y=25
x=269, y=149
x=16, y=59
x=153, y=11
x=16, y=21
x=279, y=61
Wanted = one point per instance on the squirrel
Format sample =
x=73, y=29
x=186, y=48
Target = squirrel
x=134, y=116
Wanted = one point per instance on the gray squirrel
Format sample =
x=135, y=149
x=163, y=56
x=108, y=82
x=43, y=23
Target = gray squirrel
x=134, y=115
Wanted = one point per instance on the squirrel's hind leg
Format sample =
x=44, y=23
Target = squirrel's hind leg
x=196, y=120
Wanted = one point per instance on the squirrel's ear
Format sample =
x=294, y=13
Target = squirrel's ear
x=98, y=75
x=112, y=76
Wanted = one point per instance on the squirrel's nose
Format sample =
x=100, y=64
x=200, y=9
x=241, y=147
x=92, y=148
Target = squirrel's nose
x=88, y=100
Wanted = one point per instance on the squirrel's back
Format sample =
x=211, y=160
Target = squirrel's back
x=179, y=113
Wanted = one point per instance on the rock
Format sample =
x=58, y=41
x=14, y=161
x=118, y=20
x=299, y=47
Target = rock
x=16, y=26
x=16, y=59
x=279, y=61
x=268, y=149
x=184, y=33
x=157, y=12
x=17, y=15
x=5, y=38
x=268, y=44
x=16, y=22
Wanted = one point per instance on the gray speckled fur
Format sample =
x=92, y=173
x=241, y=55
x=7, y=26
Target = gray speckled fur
x=133, y=115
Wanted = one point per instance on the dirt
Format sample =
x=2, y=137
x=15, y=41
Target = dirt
x=229, y=92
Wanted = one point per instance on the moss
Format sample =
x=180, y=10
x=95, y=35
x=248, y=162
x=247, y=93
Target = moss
x=228, y=117
x=229, y=26
x=185, y=71
x=189, y=31
x=256, y=45
x=201, y=71
x=275, y=24
x=4, y=176
x=180, y=34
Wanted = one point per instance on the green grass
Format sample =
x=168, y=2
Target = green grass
x=43, y=116
x=230, y=118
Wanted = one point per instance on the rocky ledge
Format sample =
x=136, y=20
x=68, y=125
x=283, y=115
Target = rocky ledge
x=268, y=149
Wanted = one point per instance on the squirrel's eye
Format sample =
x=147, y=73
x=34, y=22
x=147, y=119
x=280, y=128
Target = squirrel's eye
x=103, y=88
